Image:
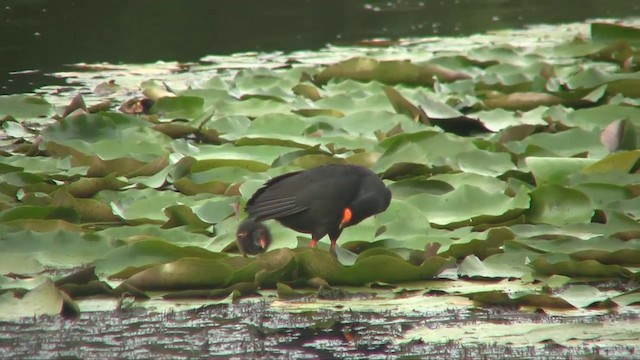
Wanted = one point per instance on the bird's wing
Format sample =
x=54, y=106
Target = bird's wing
x=273, y=208
x=296, y=192
x=275, y=199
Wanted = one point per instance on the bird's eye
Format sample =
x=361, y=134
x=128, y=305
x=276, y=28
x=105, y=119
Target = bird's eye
x=242, y=234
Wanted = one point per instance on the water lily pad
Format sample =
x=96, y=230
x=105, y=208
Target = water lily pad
x=623, y=161
x=146, y=252
x=388, y=72
x=144, y=205
x=563, y=265
x=495, y=266
x=558, y=205
x=179, y=106
x=601, y=116
x=601, y=31
x=566, y=143
x=382, y=268
x=514, y=335
x=254, y=158
x=184, y=274
x=485, y=163
x=555, y=170
x=620, y=135
x=24, y=107
x=466, y=204
x=424, y=148
x=17, y=263
x=46, y=299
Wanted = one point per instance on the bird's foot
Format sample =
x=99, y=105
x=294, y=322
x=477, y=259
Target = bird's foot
x=313, y=243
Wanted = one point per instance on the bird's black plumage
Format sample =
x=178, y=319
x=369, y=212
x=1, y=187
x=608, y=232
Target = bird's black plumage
x=321, y=201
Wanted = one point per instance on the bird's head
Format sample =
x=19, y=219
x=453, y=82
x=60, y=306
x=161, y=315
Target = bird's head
x=253, y=237
x=371, y=200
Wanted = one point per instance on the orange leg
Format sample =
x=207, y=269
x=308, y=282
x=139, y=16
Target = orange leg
x=313, y=243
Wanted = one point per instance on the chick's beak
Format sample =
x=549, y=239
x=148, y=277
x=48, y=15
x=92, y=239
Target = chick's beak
x=263, y=243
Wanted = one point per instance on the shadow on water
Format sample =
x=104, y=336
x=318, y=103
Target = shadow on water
x=43, y=35
x=255, y=330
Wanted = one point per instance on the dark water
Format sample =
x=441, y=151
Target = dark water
x=255, y=331
x=43, y=35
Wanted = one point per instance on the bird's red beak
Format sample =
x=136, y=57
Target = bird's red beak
x=346, y=217
x=263, y=243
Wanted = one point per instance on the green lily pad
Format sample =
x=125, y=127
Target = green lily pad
x=45, y=299
x=388, y=72
x=623, y=161
x=555, y=170
x=184, y=274
x=147, y=252
x=468, y=204
x=485, y=163
x=24, y=107
x=558, y=205
x=424, y=148
x=381, y=268
x=601, y=31
x=495, y=266
x=19, y=264
x=179, y=106
x=253, y=158
x=591, y=269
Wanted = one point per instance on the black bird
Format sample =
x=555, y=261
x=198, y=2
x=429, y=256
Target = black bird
x=253, y=237
x=321, y=201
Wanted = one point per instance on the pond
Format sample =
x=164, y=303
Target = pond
x=41, y=36
x=256, y=330
x=511, y=155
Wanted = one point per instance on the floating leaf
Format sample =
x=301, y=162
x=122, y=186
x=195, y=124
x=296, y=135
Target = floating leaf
x=404, y=106
x=17, y=263
x=24, y=106
x=522, y=101
x=146, y=252
x=382, y=268
x=495, y=266
x=45, y=299
x=621, y=162
x=601, y=31
x=179, y=106
x=388, y=72
x=563, y=265
x=620, y=135
x=466, y=204
x=555, y=170
x=184, y=274
x=529, y=334
x=558, y=205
